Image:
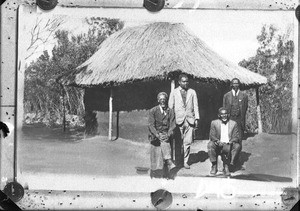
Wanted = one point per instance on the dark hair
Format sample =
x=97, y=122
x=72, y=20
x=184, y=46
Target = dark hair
x=183, y=75
x=235, y=79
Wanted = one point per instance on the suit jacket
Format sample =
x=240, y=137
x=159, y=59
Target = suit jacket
x=190, y=111
x=155, y=123
x=243, y=103
x=215, y=131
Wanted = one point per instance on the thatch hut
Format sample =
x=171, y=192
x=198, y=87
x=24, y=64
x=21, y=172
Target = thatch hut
x=134, y=64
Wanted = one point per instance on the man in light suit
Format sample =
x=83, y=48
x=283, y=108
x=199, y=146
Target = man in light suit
x=183, y=100
x=236, y=103
x=224, y=139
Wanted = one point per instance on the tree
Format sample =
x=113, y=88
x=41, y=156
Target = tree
x=273, y=59
x=43, y=94
x=41, y=33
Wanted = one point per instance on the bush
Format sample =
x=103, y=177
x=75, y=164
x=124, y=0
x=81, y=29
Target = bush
x=274, y=60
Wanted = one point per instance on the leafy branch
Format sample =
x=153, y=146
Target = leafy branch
x=41, y=33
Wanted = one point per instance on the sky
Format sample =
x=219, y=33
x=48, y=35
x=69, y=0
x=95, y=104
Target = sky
x=230, y=33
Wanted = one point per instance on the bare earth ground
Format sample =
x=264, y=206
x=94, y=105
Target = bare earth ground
x=54, y=164
x=266, y=157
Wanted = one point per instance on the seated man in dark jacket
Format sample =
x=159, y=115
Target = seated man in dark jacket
x=224, y=139
x=161, y=125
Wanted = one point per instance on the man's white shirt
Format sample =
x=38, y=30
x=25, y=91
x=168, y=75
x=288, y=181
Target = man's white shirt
x=162, y=110
x=224, y=133
x=235, y=94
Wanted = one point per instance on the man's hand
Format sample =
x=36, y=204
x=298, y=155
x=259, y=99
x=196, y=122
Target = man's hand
x=163, y=137
x=170, y=133
x=219, y=143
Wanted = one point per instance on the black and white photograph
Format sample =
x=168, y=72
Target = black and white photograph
x=199, y=105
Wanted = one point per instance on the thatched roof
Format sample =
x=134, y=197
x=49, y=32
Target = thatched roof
x=155, y=51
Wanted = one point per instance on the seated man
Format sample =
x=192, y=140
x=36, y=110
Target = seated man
x=224, y=139
x=161, y=125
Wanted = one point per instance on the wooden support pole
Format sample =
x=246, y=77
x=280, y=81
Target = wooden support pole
x=110, y=114
x=259, y=122
x=117, y=125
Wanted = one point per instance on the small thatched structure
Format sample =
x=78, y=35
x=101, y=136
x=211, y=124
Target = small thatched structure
x=134, y=64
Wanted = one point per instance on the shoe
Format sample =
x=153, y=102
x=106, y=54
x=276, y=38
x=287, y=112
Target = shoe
x=226, y=170
x=231, y=168
x=171, y=165
x=186, y=166
x=213, y=169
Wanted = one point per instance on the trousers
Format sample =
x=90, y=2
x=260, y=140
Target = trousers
x=228, y=154
x=186, y=131
x=158, y=154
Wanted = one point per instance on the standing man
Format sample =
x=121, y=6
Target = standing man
x=185, y=104
x=224, y=140
x=236, y=102
x=161, y=124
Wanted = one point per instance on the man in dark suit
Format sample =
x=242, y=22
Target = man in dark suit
x=184, y=101
x=236, y=103
x=224, y=139
x=161, y=125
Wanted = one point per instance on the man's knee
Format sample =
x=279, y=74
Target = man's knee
x=211, y=145
x=189, y=133
x=236, y=146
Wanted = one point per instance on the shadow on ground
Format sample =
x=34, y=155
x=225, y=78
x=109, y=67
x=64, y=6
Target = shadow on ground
x=262, y=177
x=163, y=173
x=248, y=135
x=244, y=157
x=200, y=156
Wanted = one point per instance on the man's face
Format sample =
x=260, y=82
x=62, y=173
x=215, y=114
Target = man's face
x=162, y=100
x=223, y=115
x=184, y=83
x=235, y=85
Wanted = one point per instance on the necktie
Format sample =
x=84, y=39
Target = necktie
x=235, y=93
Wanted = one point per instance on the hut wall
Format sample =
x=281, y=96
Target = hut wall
x=128, y=97
x=134, y=101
